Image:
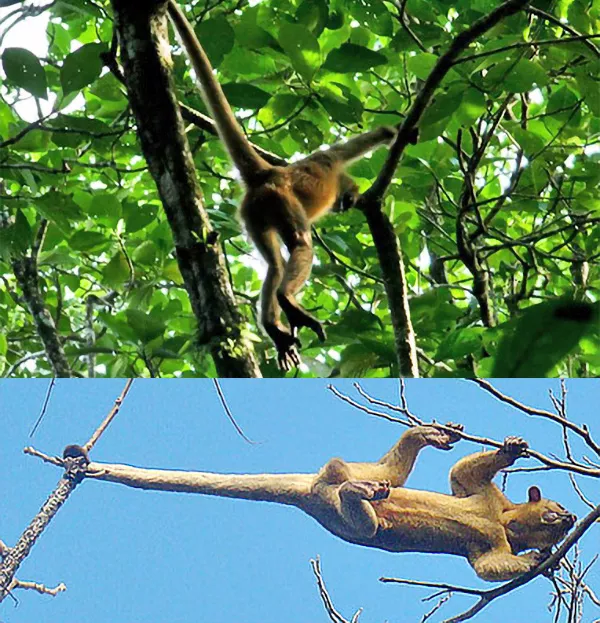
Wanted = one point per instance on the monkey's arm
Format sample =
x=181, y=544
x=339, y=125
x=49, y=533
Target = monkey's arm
x=476, y=471
x=281, y=488
x=359, y=145
x=501, y=565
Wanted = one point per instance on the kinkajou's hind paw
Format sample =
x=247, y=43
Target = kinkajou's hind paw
x=367, y=489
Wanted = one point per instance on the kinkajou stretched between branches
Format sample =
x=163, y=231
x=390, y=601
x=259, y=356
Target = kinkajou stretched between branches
x=366, y=503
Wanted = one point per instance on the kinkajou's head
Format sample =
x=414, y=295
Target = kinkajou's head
x=538, y=523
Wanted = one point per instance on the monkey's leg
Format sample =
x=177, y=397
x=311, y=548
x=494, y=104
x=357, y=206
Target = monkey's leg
x=500, y=565
x=267, y=243
x=295, y=232
x=356, y=509
x=475, y=472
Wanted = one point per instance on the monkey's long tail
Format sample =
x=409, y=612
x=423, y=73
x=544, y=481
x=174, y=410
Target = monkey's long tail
x=248, y=162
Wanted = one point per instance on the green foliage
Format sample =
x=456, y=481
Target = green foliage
x=24, y=69
x=304, y=73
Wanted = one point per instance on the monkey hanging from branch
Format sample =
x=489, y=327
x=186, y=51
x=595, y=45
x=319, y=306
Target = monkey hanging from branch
x=367, y=504
x=280, y=203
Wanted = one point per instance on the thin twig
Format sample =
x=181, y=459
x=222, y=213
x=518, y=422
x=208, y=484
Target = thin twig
x=230, y=415
x=109, y=418
x=44, y=406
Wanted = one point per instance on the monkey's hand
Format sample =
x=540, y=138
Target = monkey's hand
x=286, y=345
x=514, y=448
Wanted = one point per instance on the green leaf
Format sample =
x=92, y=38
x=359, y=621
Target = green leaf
x=24, y=69
x=302, y=48
x=518, y=77
x=352, y=58
x=117, y=271
x=443, y=107
x=138, y=216
x=279, y=107
x=105, y=209
x=472, y=106
x=422, y=64
x=146, y=253
x=81, y=67
x=22, y=233
x=217, y=38
x=460, y=343
x=245, y=96
x=250, y=35
x=313, y=14
x=357, y=360
x=88, y=241
x=145, y=326
x=374, y=15
x=345, y=111
x=542, y=336
x=3, y=344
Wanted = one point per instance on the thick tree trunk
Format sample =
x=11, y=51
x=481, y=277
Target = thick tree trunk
x=144, y=45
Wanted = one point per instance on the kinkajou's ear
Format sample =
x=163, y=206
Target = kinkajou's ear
x=534, y=494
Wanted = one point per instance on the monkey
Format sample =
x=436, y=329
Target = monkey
x=367, y=503
x=280, y=203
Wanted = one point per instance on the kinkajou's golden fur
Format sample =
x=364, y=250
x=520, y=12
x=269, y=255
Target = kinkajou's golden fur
x=366, y=503
x=280, y=203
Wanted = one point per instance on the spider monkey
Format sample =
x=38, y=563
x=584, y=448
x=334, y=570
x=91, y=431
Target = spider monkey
x=280, y=202
x=367, y=504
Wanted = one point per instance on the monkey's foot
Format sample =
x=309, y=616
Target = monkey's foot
x=515, y=447
x=298, y=317
x=286, y=345
x=367, y=489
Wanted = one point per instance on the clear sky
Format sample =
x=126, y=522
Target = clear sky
x=136, y=556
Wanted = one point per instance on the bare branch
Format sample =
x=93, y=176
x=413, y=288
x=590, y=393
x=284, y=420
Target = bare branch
x=44, y=406
x=40, y=588
x=229, y=414
x=109, y=418
x=582, y=431
x=333, y=614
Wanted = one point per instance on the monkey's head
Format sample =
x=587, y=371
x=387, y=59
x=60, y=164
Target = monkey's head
x=537, y=524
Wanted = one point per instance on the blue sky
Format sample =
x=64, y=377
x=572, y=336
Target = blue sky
x=134, y=556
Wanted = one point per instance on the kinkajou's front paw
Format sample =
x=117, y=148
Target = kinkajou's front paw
x=515, y=447
x=439, y=437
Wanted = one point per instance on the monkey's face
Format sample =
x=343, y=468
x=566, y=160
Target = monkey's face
x=538, y=524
